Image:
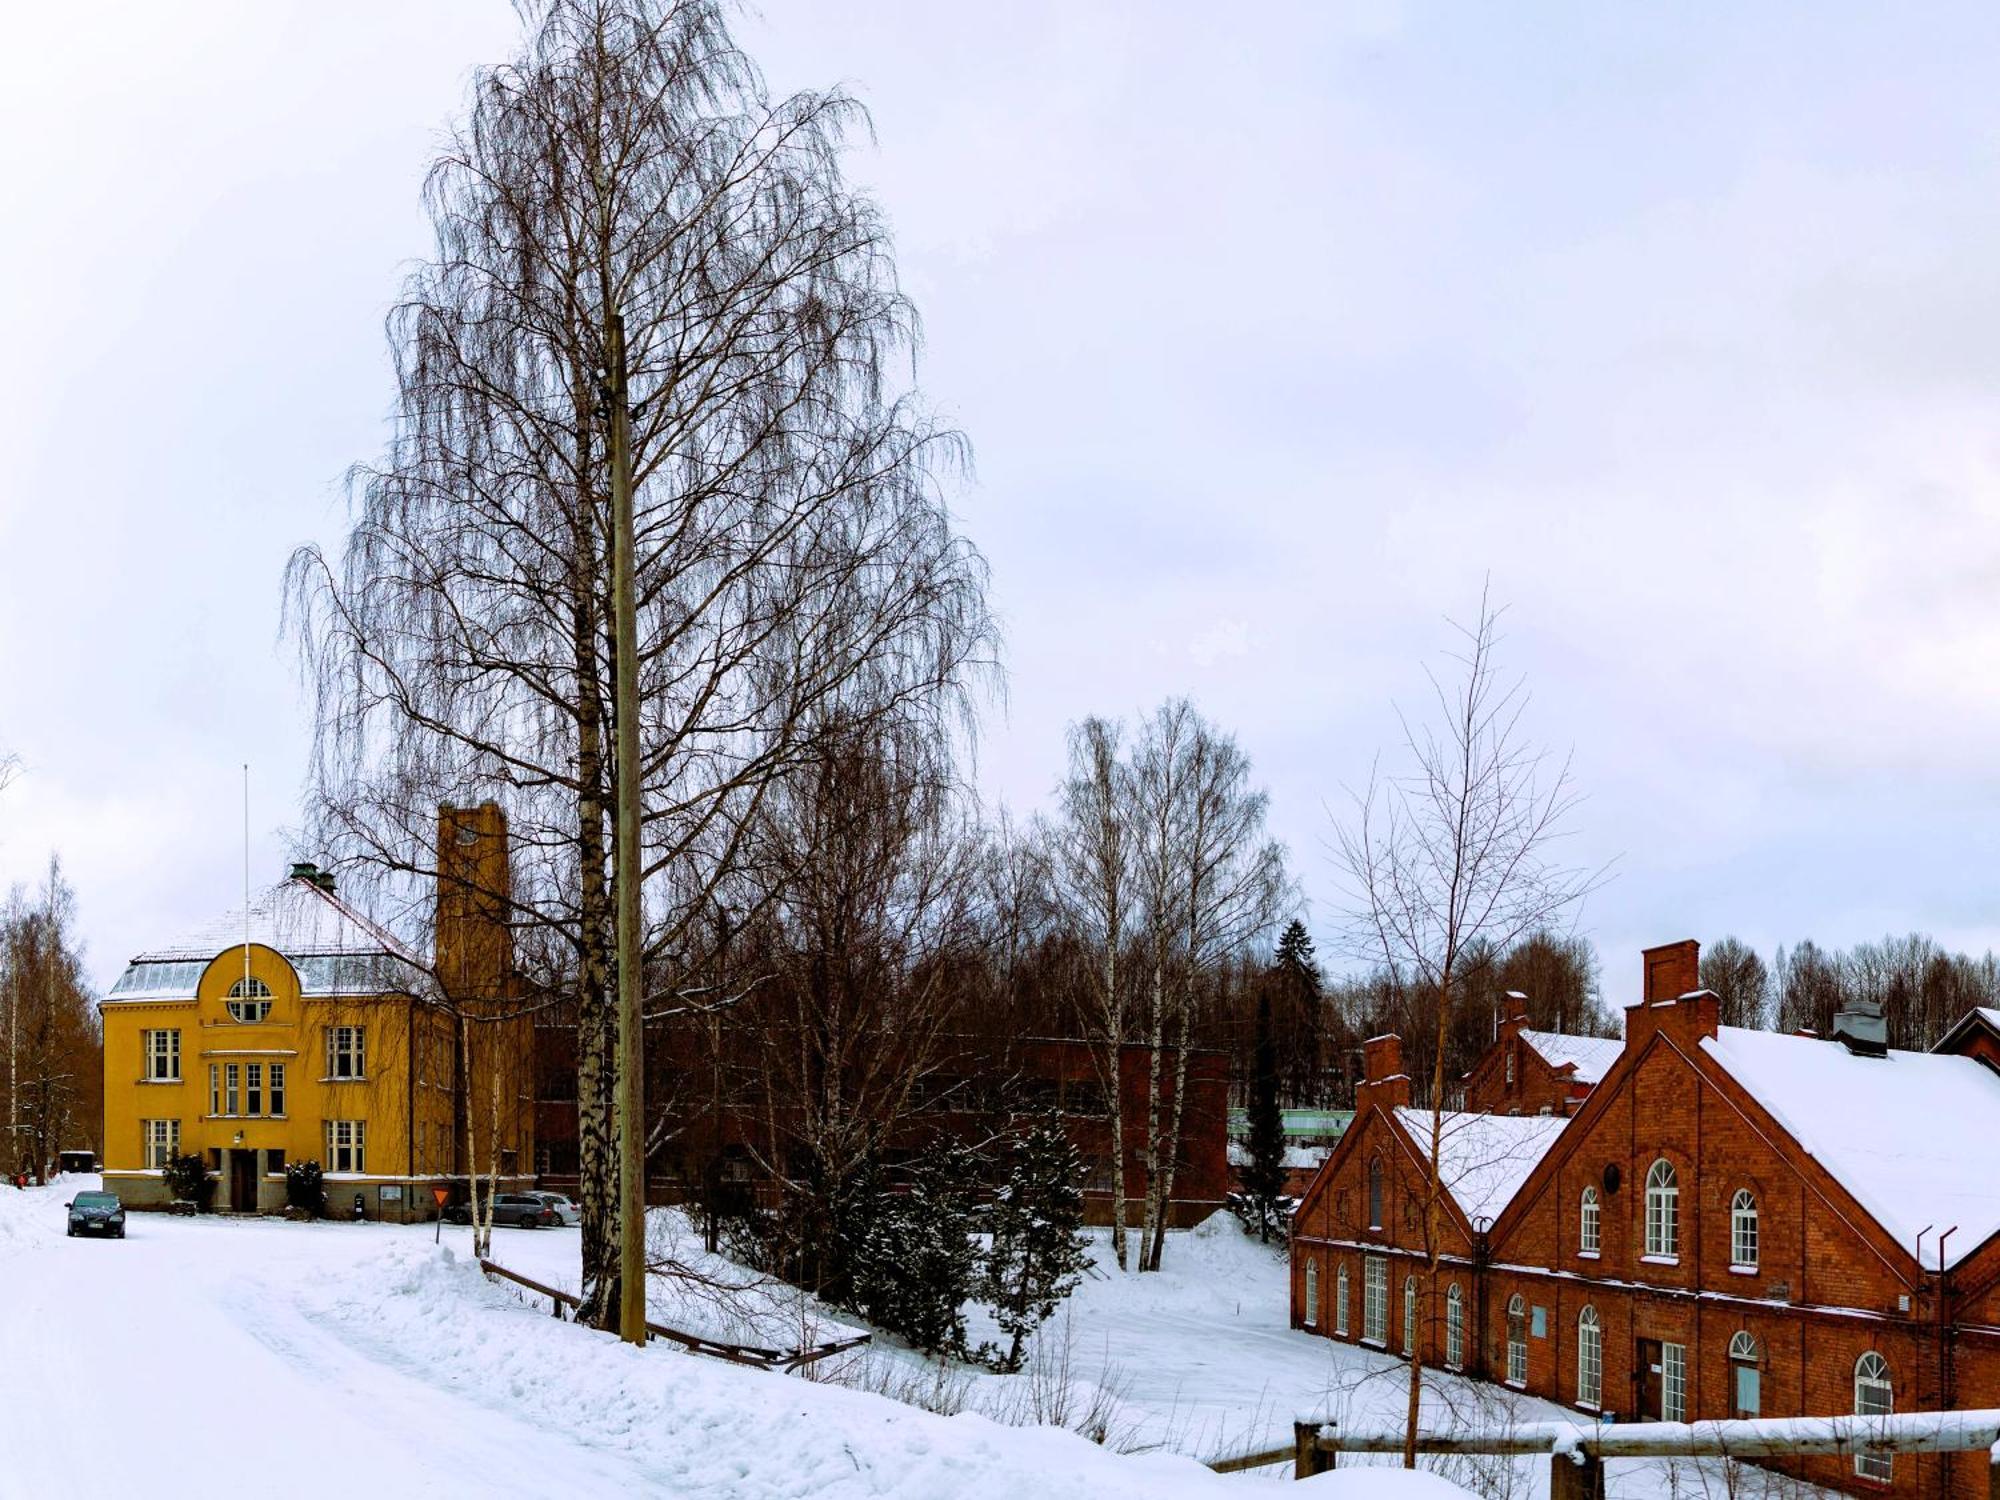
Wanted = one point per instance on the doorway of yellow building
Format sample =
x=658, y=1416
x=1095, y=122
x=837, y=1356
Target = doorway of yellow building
x=243, y=1181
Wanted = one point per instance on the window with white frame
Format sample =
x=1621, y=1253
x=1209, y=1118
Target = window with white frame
x=249, y=999
x=1517, y=1340
x=163, y=1057
x=346, y=1145
x=253, y=1089
x=214, y=1088
x=1589, y=1358
x=1312, y=1293
x=1510, y=1065
x=163, y=1142
x=1454, y=1327
x=346, y=1052
x=1743, y=1230
x=1874, y=1396
x=1663, y=1210
x=1410, y=1315
x=1340, y=1300
x=1589, y=1231
x=277, y=1088
x=232, y=1088
x=1375, y=1299
x=1745, y=1375
x=1375, y=1193
x=1673, y=1382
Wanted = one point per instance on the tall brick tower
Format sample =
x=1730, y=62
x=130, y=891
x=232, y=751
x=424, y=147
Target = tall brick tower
x=492, y=1051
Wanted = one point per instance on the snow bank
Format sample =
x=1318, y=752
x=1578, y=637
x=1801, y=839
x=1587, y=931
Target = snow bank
x=1382, y=1484
x=698, y=1426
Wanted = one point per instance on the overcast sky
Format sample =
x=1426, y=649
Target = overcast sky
x=1275, y=330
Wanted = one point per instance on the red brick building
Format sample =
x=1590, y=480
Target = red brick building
x=1528, y=1072
x=1732, y=1223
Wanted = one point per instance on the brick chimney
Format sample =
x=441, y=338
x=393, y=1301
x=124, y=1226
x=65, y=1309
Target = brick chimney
x=1516, y=1005
x=1384, y=1081
x=1675, y=1002
x=475, y=947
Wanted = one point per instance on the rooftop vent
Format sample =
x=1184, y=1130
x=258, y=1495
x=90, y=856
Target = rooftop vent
x=305, y=869
x=1862, y=1029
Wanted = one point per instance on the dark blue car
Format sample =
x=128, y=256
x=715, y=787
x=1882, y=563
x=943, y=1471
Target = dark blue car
x=97, y=1213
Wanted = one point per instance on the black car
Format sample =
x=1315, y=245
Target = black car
x=97, y=1213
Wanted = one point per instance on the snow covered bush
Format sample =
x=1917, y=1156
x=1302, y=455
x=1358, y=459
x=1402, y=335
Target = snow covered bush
x=304, y=1188
x=187, y=1179
x=918, y=1259
x=1038, y=1252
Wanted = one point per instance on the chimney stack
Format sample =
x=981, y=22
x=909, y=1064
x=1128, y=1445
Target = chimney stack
x=1674, y=1000
x=1385, y=1083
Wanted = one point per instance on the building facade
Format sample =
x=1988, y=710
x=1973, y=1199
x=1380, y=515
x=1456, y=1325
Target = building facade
x=1733, y=1223
x=304, y=1031
x=1529, y=1072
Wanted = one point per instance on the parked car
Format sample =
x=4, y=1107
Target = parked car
x=97, y=1213
x=521, y=1210
x=566, y=1212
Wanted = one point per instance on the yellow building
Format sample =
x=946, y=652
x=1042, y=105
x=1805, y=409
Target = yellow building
x=310, y=1032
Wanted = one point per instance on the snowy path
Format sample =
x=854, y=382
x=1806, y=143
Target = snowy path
x=161, y=1365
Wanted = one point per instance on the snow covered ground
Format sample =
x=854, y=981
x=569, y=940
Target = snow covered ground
x=204, y=1355
x=342, y=1355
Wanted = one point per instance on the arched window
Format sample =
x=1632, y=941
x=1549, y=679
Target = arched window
x=1589, y=1358
x=1663, y=1210
x=1587, y=1234
x=1375, y=1193
x=1410, y=1315
x=1517, y=1340
x=1340, y=1300
x=1743, y=1230
x=1312, y=1293
x=1454, y=1327
x=1745, y=1375
x=249, y=999
x=1873, y=1397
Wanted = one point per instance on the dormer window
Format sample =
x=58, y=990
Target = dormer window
x=249, y=999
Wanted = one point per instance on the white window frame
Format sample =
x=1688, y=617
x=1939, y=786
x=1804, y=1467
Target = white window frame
x=215, y=1088
x=347, y=1054
x=1340, y=1299
x=1517, y=1340
x=1663, y=1211
x=1375, y=1300
x=1312, y=1294
x=163, y=1056
x=276, y=1098
x=1673, y=1382
x=248, y=999
x=232, y=1089
x=1874, y=1396
x=1590, y=1224
x=1410, y=1315
x=347, y=1146
x=162, y=1139
x=1589, y=1359
x=1454, y=1327
x=1743, y=1231
x=253, y=1089
x=1745, y=1354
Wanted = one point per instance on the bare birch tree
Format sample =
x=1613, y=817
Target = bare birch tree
x=54, y=1048
x=793, y=556
x=1090, y=862
x=1454, y=853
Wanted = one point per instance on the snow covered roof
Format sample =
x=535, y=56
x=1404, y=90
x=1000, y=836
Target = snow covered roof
x=336, y=950
x=1484, y=1158
x=1910, y=1135
x=1593, y=1055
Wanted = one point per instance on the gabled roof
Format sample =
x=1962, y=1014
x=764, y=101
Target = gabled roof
x=1909, y=1136
x=1483, y=1159
x=334, y=948
x=1979, y=1015
x=1593, y=1056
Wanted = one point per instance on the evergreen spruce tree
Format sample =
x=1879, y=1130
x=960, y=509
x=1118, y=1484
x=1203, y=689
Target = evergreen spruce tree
x=918, y=1260
x=1296, y=970
x=1264, y=1178
x=1038, y=1252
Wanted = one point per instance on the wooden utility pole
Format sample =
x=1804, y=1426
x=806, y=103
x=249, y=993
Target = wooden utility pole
x=626, y=862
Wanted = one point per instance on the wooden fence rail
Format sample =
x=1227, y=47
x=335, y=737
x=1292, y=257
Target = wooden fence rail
x=737, y=1354
x=1577, y=1451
